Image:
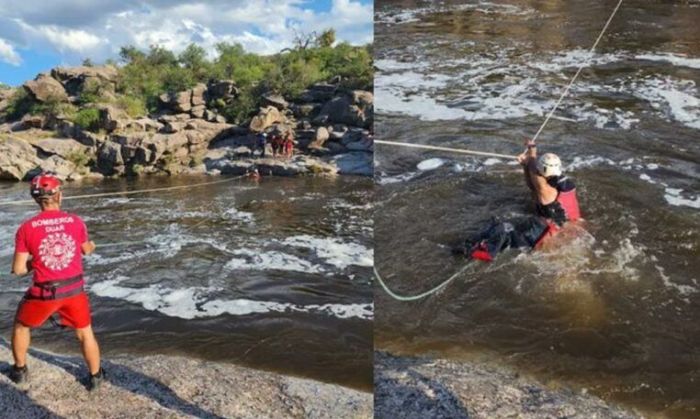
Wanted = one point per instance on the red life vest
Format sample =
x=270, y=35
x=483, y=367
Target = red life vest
x=568, y=202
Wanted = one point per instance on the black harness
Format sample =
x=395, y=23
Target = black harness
x=51, y=290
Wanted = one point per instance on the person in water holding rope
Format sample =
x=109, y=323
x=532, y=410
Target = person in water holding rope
x=555, y=203
x=52, y=244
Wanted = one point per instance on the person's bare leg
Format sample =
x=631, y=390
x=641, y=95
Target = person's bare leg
x=21, y=336
x=90, y=348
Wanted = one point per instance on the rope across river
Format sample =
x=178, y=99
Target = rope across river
x=488, y=154
x=122, y=193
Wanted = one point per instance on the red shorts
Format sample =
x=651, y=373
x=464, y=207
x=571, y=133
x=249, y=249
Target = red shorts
x=74, y=311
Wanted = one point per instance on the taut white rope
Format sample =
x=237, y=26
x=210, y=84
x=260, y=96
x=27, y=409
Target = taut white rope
x=120, y=193
x=452, y=150
x=581, y=67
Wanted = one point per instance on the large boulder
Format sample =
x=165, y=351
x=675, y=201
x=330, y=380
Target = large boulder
x=112, y=118
x=109, y=159
x=222, y=89
x=266, y=118
x=17, y=159
x=320, y=137
x=272, y=99
x=45, y=88
x=178, y=102
x=64, y=169
x=342, y=110
x=74, y=79
x=320, y=92
x=198, y=95
x=62, y=147
x=355, y=163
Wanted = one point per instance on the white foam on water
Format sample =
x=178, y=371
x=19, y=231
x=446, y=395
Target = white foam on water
x=388, y=180
x=647, y=178
x=588, y=161
x=678, y=98
x=492, y=161
x=673, y=197
x=273, y=260
x=194, y=302
x=430, y=164
x=235, y=214
x=334, y=251
x=684, y=290
x=675, y=59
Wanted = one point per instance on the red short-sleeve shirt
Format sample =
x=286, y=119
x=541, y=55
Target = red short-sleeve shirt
x=54, y=240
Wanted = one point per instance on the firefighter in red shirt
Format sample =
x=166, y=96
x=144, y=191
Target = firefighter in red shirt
x=51, y=244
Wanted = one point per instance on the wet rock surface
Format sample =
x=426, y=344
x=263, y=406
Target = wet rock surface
x=172, y=387
x=416, y=387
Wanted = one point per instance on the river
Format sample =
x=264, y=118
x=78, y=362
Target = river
x=272, y=275
x=613, y=308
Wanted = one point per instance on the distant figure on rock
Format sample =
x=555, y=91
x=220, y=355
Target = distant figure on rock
x=52, y=244
x=261, y=143
x=253, y=174
x=277, y=145
x=555, y=202
x=289, y=145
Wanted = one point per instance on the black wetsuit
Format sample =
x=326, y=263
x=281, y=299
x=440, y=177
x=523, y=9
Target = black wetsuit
x=521, y=232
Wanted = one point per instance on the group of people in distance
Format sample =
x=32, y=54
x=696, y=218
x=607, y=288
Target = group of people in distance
x=282, y=144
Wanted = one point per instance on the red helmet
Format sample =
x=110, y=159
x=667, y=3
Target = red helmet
x=45, y=184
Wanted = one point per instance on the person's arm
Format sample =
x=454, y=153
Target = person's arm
x=21, y=264
x=528, y=157
x=546, y=194
x=88, y=247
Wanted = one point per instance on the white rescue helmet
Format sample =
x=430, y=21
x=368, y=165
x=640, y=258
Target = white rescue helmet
x=549, y=165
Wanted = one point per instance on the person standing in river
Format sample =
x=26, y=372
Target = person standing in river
x=51, y=244
x=556, y=203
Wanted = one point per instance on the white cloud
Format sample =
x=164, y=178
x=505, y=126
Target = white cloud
x=8, y=53
x=69, y=39
x=264, y=26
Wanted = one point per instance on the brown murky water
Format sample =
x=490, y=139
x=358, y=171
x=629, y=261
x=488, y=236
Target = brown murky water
x=613, y=308
x=274, y=276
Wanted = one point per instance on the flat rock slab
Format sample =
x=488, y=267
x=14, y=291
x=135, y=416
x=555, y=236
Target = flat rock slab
x=169, y=387
x=411, y=387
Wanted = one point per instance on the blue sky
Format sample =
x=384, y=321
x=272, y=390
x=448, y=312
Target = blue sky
x=38, y=35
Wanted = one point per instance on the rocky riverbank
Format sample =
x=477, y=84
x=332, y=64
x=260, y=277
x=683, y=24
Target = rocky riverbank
x=185, y=133
x=173, y=387
x=413, y=387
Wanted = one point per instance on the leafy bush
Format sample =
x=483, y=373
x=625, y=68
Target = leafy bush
x=87, y=118
x=19, y=105
x=135, y=107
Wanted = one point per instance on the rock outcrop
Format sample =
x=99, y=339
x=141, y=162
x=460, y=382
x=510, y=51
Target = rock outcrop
x=45, y=88
x=410, y=387
x=327, y=122
x=159, y=386
x=17, y=159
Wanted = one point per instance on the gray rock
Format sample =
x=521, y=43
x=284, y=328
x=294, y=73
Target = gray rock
x=320, y=137
x=410, y=387
x=62, y=147
x=222, y=89
x=17, y=159
x=354, y=163
x=109, y=159
x=342, y=110
x=275, y=100
x=178, y=102
x=33, y=121
x=74, y=79
x=112, y=118
x=64, y=169
x=143, y=386
x=320, y=92
x=266, y=118
x=198, y=95
x=198, y=111
x=44, y=88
